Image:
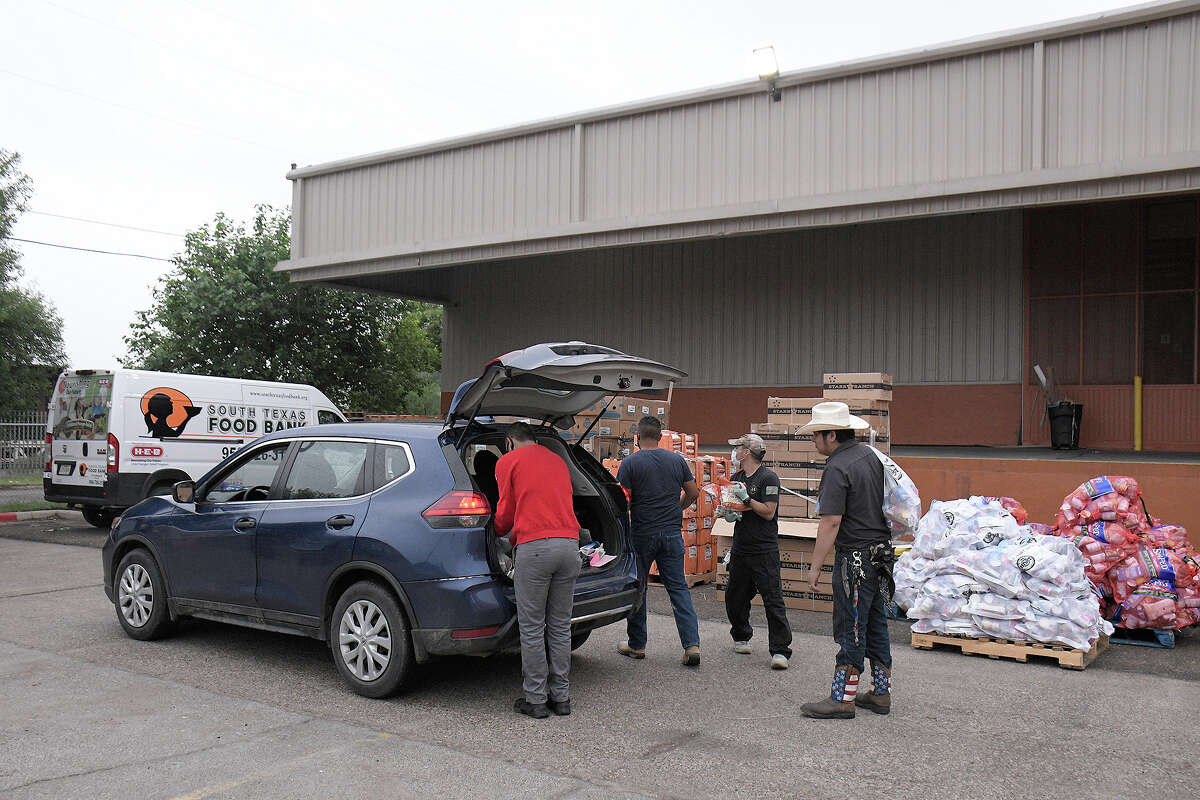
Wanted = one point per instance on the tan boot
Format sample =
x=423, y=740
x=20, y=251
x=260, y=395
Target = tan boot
x=840, y=703
x=879, y=699
x=691, y=656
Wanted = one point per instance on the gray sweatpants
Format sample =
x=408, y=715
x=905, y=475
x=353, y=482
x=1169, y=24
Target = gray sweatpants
x=545, y=583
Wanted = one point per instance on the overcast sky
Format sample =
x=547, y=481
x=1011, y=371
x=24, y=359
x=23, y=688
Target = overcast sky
x=157, y=115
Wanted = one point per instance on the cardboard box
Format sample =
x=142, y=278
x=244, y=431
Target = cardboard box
x=607, y=447
x=775, y=404
x=802, y=600
x=791, y=410
x=794, y=576
x=857, y=385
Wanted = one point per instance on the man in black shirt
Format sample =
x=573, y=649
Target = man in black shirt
x=754, y=562
x=850, y=503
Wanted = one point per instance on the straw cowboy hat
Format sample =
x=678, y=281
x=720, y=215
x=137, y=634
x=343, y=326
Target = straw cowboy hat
x=834, y=416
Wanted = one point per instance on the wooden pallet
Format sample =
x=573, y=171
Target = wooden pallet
x=692, y=580
x=1067, y=657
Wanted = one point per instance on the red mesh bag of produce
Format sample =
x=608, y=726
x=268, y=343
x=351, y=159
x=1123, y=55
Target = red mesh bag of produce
x=1114, y=498
x=1151, y=605
x=1149, y=564
x=1172, y=536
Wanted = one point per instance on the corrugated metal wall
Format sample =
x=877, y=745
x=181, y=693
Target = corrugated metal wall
x=935, y=300
x=1104, y=113
x=952, y=119
x=502, y=187
x=1123, y=94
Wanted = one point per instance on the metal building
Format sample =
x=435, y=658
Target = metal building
x=951, y=215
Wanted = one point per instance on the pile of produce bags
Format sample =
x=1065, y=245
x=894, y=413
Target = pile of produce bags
x=973, y=570
x=1146, y=573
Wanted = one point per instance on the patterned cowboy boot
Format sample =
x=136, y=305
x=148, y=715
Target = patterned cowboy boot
x=879, y=699
x=840, y=703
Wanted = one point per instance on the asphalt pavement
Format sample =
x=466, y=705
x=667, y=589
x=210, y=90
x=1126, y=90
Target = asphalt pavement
x=219, y=711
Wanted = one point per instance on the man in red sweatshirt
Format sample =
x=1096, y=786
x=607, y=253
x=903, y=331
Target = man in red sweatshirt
x=536, y=506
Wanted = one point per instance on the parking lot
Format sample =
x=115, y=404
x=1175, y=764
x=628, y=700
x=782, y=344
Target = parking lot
x=218, y=711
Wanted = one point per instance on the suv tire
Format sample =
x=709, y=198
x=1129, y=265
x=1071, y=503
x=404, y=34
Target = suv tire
x=369, y=640
x=141, y=597
x=578, y=639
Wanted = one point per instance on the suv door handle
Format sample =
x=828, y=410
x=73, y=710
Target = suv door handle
x=245, y=524
x=340, y=521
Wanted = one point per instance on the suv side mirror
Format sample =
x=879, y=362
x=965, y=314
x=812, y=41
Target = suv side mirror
x=184, y=492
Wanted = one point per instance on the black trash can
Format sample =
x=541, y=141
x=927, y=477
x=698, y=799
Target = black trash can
x=1065, y=419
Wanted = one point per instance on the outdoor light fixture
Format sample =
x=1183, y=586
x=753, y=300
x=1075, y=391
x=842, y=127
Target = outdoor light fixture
x=767, y=66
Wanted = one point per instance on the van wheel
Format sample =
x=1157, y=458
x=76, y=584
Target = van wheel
x=98, y=517
x=369, y=640
x=578, y=639
x=141, y=597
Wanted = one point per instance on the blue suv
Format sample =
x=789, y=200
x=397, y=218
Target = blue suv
x=377, y=537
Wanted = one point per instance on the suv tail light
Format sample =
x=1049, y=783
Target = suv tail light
x=114, y=453
x=49, y=452
x=458, y=509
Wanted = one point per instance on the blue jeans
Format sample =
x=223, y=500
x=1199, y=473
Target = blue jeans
x=872, y=640
x=666, y=548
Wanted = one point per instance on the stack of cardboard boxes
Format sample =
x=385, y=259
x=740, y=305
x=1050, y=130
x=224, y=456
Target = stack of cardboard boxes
x=613, y=434
x=794, y=458
x=797, y=538
x=793, y=455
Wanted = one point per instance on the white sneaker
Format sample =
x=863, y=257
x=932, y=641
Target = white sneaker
x=741, y=647
x=779, y=661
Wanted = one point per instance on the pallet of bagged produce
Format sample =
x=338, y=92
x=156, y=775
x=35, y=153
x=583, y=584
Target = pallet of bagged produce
x=1067, y=657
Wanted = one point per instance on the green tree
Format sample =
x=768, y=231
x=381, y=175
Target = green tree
x=31, y=345
x=223, y=310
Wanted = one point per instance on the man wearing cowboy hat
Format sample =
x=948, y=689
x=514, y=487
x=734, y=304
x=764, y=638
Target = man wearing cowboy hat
x=850, y=503
x=754, y=561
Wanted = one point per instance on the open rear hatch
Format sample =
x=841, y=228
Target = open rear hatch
x=554, y=382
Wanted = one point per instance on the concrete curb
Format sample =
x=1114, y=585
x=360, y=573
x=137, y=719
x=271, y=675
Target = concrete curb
x=50, y=513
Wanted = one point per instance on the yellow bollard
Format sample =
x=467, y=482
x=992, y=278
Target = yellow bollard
x=1137, y=413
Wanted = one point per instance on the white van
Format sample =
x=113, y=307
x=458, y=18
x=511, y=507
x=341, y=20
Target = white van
x=115, y=437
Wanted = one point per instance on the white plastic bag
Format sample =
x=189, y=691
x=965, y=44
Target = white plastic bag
x=901, y=500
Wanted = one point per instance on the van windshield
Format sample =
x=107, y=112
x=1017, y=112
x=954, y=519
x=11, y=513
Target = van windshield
x=80, y=407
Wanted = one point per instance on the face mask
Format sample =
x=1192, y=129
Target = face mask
x=734, y=459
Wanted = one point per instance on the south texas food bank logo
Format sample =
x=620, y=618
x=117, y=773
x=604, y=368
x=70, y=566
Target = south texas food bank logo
x=167, y=412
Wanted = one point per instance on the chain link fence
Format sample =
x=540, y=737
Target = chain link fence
x=22, y=450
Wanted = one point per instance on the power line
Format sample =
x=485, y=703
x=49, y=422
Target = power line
x=109, y=224
x=89, y=250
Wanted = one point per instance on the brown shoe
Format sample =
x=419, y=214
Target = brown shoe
x=881, y=681
x=828, y=709
x=626, y=650
x=691, y=656
x=840, y=703
x=879, y=703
